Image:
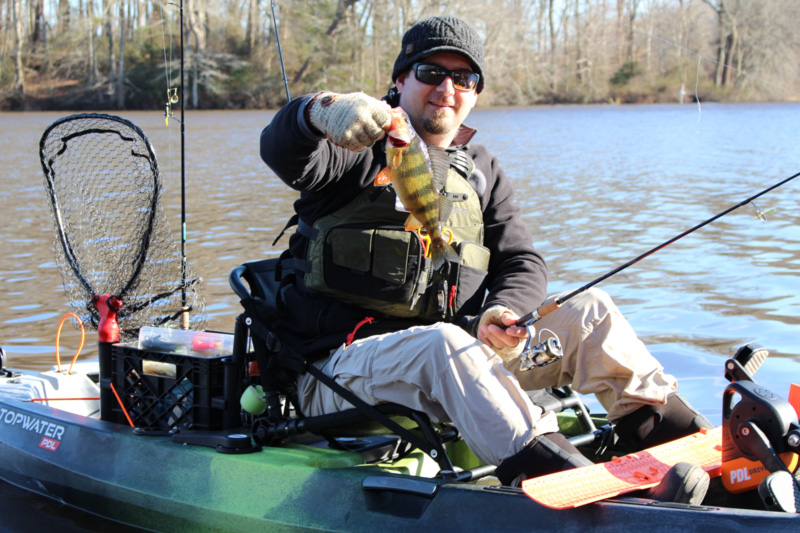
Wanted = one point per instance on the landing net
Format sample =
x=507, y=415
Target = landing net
x=112, y=235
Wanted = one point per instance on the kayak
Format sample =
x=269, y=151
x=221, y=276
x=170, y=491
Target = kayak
x=168, y=434
x=156, y=480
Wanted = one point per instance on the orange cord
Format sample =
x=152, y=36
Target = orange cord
x=58, y=337
x=122, y=405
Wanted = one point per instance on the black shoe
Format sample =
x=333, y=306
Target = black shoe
x=651, y=425
x=546, y=454
x=683, y=483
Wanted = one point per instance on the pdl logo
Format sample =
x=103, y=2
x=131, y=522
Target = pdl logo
x=49, y=444
x=739, y=475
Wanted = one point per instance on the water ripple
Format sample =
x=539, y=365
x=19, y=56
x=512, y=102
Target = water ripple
x=598, y=186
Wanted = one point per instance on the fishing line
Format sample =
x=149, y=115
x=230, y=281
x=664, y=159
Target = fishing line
x=554, y=304
x=167, y=76
x=173, y=97
x=170, y=90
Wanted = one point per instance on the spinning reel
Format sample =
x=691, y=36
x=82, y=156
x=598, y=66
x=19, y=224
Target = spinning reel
x=540, y=352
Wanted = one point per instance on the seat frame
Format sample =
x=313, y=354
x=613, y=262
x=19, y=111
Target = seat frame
x=256, y=339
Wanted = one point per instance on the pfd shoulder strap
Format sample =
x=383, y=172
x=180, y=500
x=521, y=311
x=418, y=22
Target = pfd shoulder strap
x=462, y=163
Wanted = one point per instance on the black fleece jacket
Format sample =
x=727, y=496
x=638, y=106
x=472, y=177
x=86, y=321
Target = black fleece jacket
x=328, y=177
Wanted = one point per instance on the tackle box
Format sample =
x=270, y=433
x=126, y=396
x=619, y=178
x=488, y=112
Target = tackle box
x=185, y=341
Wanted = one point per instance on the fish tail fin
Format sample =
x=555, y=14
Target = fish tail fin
x=441, y=252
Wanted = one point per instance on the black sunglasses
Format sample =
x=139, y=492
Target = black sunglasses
x=463, y=80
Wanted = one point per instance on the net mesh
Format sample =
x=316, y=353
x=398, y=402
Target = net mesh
x=112, y=235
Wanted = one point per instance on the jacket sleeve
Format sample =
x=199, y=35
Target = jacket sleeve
x=517, y=273
x=299, y=156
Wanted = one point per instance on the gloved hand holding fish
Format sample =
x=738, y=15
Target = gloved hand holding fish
x=418, y=174
x=353, y=121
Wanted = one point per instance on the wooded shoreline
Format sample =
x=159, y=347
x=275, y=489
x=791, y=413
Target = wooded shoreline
x=125, y=54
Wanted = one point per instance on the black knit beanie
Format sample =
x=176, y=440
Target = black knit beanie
x=440, y=34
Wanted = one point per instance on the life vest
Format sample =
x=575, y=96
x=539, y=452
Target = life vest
x=362, y=255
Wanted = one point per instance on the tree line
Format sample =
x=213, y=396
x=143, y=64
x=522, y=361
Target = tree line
x=126, y=54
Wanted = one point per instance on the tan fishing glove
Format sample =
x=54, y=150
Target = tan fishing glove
x=502, y=343
x=353, y=121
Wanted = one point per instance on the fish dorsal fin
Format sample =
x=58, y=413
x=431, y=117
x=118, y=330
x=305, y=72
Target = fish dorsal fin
x=383, y=178
x=412, y=224
x=440, y=165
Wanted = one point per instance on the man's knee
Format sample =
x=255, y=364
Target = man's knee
x=588, y=310
x=594, y=298
x=450, y=345
x=454, y=336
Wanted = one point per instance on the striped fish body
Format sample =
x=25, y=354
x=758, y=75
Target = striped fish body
x=410, y=172
x=412, y=179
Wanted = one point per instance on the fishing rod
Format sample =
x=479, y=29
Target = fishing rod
x=280, y=53
x=184, y=307
x=175, y=95
x=548, y=307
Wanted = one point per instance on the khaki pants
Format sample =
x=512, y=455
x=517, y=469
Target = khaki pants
x=446, y=373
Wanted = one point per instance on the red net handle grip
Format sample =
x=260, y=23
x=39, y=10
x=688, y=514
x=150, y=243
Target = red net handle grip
x=107, y=306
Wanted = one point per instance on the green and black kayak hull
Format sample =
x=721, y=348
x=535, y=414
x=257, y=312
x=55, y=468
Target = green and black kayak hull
x=155, y=483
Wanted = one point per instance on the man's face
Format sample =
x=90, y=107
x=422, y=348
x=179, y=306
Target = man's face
x=436, y=111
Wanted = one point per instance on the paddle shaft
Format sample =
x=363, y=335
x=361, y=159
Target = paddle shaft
x=550, y=306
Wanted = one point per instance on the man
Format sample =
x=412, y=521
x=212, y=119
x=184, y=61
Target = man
x=381, y=319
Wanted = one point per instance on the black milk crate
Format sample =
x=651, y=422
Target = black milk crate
x=168, y=390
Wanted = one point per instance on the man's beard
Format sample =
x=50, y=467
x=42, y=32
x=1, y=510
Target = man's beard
x=436, y=125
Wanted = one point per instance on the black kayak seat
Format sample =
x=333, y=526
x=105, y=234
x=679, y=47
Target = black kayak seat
x=256, y=339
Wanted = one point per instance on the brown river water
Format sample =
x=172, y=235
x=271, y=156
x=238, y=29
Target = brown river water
x=599, y=185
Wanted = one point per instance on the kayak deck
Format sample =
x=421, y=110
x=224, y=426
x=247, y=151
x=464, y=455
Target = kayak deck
x=155, y=483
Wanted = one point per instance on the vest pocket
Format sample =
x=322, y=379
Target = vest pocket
x=381, y=263
x=390, y=255
x=347, y=249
